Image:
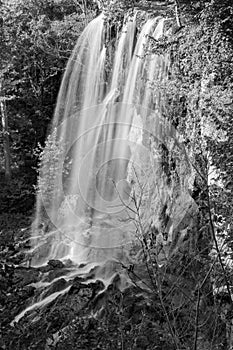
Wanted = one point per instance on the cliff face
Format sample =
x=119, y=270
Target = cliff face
x=178, y=297
x=162, y=186
x=185, y=193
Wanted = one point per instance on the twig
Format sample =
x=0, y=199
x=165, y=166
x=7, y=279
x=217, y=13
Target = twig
x=196, y=320
x=205, y=179
x=217, y=247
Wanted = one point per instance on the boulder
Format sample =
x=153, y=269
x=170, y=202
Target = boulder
x=55, y=287
x=56, y=264
x=24, y=276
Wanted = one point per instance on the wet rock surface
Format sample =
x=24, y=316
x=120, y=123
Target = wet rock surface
x=87, y=316
x=82, y=314
x=55, y=264
x=25, y=276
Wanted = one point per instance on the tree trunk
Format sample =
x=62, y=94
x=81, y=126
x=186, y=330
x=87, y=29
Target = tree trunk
x=177, y=8
x=5, y=134
x=85, y=11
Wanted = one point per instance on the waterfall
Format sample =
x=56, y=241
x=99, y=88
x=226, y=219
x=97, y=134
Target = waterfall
x=84, y=196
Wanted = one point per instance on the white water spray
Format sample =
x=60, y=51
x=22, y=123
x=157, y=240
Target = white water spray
x=88, y=199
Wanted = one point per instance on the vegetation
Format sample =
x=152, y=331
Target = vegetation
x=188, y=303
x=36, y=40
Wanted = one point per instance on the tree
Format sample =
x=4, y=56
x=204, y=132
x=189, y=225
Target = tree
x=36, y=41
x=5, y=135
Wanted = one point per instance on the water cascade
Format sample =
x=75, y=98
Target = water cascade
x=85, y=186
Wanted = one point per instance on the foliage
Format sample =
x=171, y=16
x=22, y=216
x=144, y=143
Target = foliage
x=50, y=168
x=188, y=302
x=116, y=11
x=199, y=104
x=199, y=93
x=36, y=41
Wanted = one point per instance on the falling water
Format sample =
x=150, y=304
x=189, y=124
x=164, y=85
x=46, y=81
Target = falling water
x=84, y=187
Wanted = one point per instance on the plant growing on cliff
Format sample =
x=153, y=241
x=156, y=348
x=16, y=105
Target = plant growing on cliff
x=199, y=104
